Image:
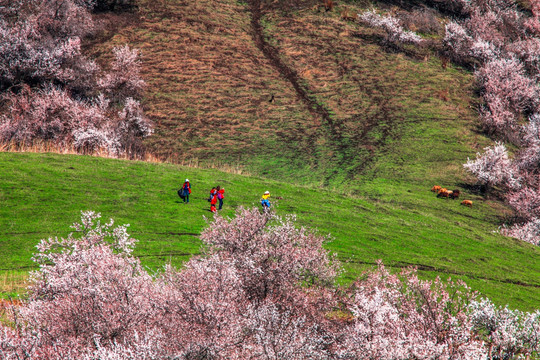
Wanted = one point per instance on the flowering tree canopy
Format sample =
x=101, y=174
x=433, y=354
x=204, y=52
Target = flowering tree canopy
x=394, y=31
x=262, y=289
x=493, y=167
x=54, y=93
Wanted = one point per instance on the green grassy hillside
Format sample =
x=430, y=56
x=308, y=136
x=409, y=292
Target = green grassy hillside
x=400, y=222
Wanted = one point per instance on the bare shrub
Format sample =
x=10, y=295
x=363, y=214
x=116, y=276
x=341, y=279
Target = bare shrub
x=424, y=21
x=104, y=5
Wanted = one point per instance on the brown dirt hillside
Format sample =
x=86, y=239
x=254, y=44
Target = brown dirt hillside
x=208, y=85
x=282, y=89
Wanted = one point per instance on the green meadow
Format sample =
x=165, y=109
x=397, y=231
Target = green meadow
x=399, y=222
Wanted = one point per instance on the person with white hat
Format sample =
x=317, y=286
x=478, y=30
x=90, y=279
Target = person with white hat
x=265, y=202
x=186, y=190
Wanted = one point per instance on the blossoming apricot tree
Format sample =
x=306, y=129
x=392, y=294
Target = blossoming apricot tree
x=262, y=289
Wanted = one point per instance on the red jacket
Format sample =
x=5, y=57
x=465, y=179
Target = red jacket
x=186, y=184
x=214, y=200
x=221, y=194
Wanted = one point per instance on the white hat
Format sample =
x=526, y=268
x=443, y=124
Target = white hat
x=267, y=192
x=187, y=180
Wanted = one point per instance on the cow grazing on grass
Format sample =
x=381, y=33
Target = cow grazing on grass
x=467, y=203
x=443, y=193
x=436, y=188
x=454, y=194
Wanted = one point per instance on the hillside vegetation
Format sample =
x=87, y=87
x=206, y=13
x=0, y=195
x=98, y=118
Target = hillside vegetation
x=347, y=126
x=344, y=110
x=353, y=140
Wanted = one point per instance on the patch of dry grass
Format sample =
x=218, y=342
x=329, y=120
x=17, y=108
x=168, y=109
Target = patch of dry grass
x=51, y=147
x=208, y=86
x=11, y=282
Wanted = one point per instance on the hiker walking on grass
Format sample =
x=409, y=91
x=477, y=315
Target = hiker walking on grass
x=213, y=199
x=220, y=196
x=265, y=202
x=212, y=193
x=186, y=190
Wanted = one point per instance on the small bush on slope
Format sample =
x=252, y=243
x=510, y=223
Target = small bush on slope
x=395, y=34
x=263, y=289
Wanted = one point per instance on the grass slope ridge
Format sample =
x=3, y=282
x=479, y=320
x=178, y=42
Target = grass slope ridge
x=42, y=194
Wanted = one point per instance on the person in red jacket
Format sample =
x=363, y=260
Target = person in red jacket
x=212, y=193
x=213, y=201
x=186, y=190
x=220, y=196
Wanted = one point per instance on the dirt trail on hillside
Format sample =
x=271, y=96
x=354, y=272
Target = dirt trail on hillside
x=213, y=68
x=340, y=137
x=272, y=54
x=313, y=106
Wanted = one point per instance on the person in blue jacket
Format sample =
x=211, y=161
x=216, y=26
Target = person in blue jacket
x=186, y=190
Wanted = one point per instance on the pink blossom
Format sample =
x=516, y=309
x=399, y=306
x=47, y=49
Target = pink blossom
x=457, y=39
x=498, y=118
x=133, y=121
x=506, y=78
x=263, y=288
x=526, y=202
x=395, y=32
x=483, y=50
x=124, y=79
x=403, y=317
x=39, y=46
x=528, y=231
x=507, y=332
x=493, y=167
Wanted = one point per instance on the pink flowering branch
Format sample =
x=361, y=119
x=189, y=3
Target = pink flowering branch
x=394, y=31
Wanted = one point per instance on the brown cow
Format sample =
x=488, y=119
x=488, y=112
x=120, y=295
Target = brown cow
x=443, y=193
x=467, y=203
x=435, y=188
x=454, y=194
